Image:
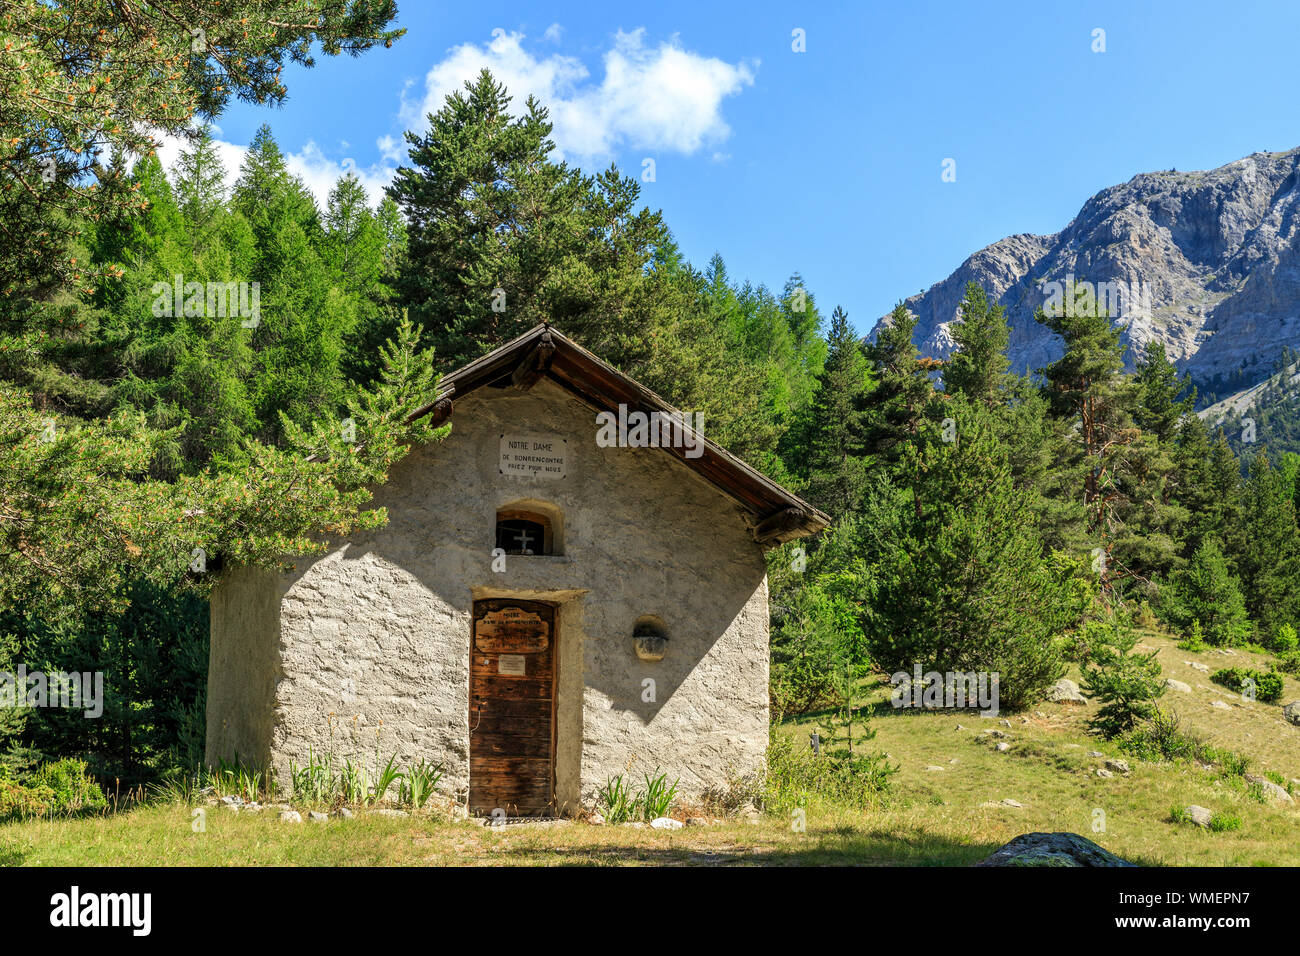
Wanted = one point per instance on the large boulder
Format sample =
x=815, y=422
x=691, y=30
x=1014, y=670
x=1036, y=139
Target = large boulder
x=1053, y=849
x=1292, y=712
x=1066, y=691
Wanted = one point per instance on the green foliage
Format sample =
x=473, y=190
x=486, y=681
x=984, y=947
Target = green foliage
x=419, y=783
x=1163, y=737
x=616, y=801
x=658, y=797
x=965, y=585
x=1126, y=683
x=798, y=778
x=1206, y=596
x=58, y=788
x=64, y=149
x=1267, y=685
x=1221, y=822
x=1284, y=639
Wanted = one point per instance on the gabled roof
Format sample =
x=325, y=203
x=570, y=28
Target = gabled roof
x=776, y=515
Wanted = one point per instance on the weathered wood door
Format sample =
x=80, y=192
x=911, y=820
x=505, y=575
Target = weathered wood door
x=512, y=707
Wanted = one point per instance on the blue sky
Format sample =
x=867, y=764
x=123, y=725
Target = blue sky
x=830, y=161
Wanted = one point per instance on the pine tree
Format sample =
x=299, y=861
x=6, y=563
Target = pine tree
x=1269, y=562
x=1096, y=435
x=1159, y=408
x=837, y=462
x=1205, y=594
x=978, y=369
x=1127, y=684
x=964, y=585
x=199, y=180
x=903, y=389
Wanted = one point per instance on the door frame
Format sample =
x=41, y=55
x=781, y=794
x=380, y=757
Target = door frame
x=552, y=806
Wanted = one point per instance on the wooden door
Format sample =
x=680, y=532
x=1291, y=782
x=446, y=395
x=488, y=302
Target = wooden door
x=512, y=707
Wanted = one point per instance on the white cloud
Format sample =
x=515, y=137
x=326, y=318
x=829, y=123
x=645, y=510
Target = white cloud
x=320, y=173
x=661, y=98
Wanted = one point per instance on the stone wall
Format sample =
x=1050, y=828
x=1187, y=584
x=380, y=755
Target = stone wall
x=370, y=652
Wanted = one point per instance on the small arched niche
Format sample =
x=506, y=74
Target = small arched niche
x=650, y=638
x=530, y=527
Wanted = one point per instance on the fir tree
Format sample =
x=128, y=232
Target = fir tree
x=837, y=462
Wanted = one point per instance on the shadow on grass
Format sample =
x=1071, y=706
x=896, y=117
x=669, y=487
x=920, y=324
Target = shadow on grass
x=842, y=846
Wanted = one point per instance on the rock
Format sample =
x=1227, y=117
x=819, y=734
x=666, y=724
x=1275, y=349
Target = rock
x=1004, y=722
x=388, y=812
x=252, y=807
x=1219, y=705
x=1066, y=691
x=699, y=822
x=290, y=816
x=232, y=801
x=1198, y=666
x=1003, y=746
x=1095, y=753
x=635, y=824
x=750, y=813
x=596, y=819
x=315, y=816
x=1292, y=712
x=932, y=768
x=1052, y=849
x=1201, y=816
x=1104, y=774
x=1119, y=766
x=997, y=734
x=1272, y=792
x=666, y=823
x=343, y=813
x=960, y=727
x=1178, y=686
x=1217, y=217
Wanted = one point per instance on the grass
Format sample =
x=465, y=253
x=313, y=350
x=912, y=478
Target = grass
x=951, y=816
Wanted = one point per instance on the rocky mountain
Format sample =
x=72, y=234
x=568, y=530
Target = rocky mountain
x=1206, y=262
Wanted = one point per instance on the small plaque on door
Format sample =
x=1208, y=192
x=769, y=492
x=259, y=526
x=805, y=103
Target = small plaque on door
x=511, y=664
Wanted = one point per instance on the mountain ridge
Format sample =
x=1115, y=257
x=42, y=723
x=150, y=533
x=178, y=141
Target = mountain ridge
x=1207, y=262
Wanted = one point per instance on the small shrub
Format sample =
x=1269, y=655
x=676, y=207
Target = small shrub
x=72, y=788
x=1289, y=664
x=1163, y=737
x=1177, y=814
x=1285, y=640
x=1194, y=639
x=1145, y=618
x=19, y=802
x=1223, y=822
x=1268, y=685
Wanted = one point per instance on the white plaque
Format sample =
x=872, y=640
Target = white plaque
x=512, y=664
x=534, y=456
